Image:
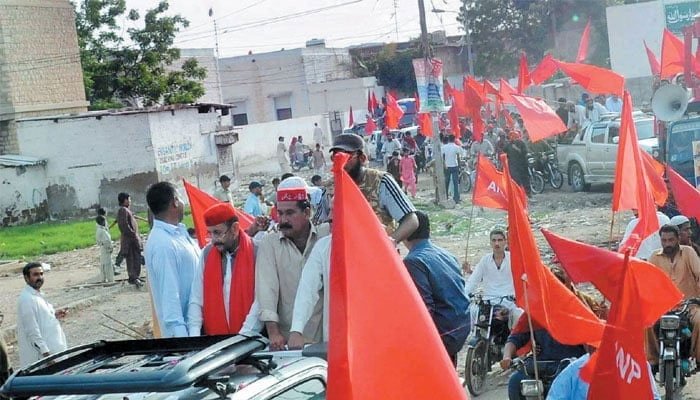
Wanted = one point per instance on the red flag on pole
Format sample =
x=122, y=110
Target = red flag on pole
x=478, y=88
x=199, y=202
x=351, y=122
x=570, y=322
x=505, y=90
x=374, y=102
x=672, y=55
x=583, y=45
x=524, y=80
x=425, y=124
x=653, y=62
x=394, y=112
x=539, y=118
x=369, y=283
x=454, y=122
x=630, y=190
x=546, y=68
x=594, y=79
x=654, y=171
x=448, y=90
x=490, y=186
x=490, y=88
x=370, y=126
x=687, y=197
x=509, y=119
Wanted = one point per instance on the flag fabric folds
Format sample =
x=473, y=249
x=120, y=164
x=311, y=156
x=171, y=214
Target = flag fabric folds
x=539, y=118
x=687, y=197
x=454, y=122
x=490, y=186
x=654, y=172
x=374, y=102
x=524, y=80
x=653, y=61
x=583, y=45
x=425, y=123
x=546, y=68
x=394, y=112
x=594, y=79
x=370, y=284
x=630, y=191
x=672, y=55
x=370, y=126
x=570, y=321
x=505, y=90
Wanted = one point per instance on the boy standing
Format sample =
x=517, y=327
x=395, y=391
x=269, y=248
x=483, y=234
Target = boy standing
x=104, y=242
x=407, y=166
x=318, y=160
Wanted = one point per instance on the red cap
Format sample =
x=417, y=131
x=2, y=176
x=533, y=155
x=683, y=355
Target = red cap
x=219, y=213
x=292, y=194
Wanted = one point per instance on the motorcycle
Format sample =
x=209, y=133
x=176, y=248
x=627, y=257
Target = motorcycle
x=303, y=159
x=536, y=178
x=488, y=335
x=532, y=388
x=674, y=335
x=465, y=176
x=550, y=169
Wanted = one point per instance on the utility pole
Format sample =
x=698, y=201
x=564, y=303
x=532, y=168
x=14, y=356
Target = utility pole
x=468, y=40
x=438, y=166
x=216, y=41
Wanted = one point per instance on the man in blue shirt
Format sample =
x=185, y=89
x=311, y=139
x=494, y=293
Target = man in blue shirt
x=252, y=203
x=437, y=275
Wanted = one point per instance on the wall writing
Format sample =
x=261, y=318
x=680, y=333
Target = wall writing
x=174, y=156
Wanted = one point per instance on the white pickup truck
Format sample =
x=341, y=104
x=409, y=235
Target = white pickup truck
x=592, y=155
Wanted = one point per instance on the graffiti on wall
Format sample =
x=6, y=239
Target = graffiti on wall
x=174, y=156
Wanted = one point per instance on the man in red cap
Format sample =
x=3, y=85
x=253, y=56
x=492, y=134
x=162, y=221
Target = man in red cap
x=223, y=289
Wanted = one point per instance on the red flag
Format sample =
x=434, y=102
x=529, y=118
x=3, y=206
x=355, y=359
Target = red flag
x=583, y=45
x=506, y=90
x=630, y=190
x=490, y=186
x=544, y=70
x=469, y=81
x=351, y=123
x=570, y=322
x=477, y=127
x=618, y=369
x=370, y=126
x=448, y=90
x=653, y=62
x=454, y=122
x=369, y=102
x=458, y=101
x=672, y=55
x=490, y=88
x=524, y=80
x=394, y=112
x=539, y=118
x=199, y=202
x=687, y=197
x=603, y=268
x=594, y=79
x=374, y=102
x=509, y=119
x=654, y=171
x=425, y=124
x=369, y=283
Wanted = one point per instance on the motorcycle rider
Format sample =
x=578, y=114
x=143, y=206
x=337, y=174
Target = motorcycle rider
x=494, y=275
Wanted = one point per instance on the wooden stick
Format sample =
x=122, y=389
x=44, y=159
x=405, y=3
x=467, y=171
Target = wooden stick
x=466, y=250
x=532, y=335
x=127, y=334
x=142, y=336
x=612, y=225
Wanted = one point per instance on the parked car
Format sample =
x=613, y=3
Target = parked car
x=207, y=367
x=592, y=155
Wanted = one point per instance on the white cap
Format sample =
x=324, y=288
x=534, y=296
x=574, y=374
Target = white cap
x=297, y=182
x=679, y=220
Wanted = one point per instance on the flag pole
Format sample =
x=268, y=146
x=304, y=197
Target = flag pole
x=469, y=231
x=532, y=335
x=612, y=225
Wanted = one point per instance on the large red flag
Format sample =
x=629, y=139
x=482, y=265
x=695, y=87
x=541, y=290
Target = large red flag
x=372, y=299
x=524, y=80
x=618, y=369
x=630, y=190
x=425, y=123
x=509, y=119
x=479, y=89
x=583, y=45
x=594, y=79
x=394, y=112
x=687, y=197
x=458, y=101
x=603, y=268
x=653, y=62
x=539, y=118
x=546, y=68
x=199, y=202
x=654, y=171
x=490, y=88
x=505, y=90
x=454, y=122
x=374, y=102
x=570, y=321
x=370, y=126
x=351, y=122
x=490, y=186
x=672, y=55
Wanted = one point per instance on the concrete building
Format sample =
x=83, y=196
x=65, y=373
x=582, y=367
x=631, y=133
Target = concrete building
x=76, y=162
x=40, y=71
x=206, y=58
x=292, y=83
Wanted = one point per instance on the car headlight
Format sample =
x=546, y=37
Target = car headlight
x=670, y=322
x=531, y=388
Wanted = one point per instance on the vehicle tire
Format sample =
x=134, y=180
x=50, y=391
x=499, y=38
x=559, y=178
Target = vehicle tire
x=537, y=183
x=465, y=182
x=475, y=368
x=578, y=182
x=668, y=379
x=556, y=178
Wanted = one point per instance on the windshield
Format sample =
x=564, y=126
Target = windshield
x=679, y=148
x=645, y=129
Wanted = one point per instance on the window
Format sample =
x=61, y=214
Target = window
x=240, y=113
x=598, y=134
x=240, y=119
x=283, y=107
x=613, y=132
x=313, y=389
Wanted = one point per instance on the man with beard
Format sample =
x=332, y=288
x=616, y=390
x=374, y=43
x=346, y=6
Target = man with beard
x=280, y=260
x=381, y=191
x=517, y=151
x=39, y=333
x=130, y=242
x=682, y=265
x=223, y=290
x=686, y=232
x=171, y=259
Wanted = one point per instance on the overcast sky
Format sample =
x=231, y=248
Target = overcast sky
x=269, y=25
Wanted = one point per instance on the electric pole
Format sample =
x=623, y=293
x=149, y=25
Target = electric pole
x=438, y=167
x=216, y=41
x=468, y=40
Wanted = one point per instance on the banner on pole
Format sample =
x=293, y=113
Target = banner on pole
x=429, y=82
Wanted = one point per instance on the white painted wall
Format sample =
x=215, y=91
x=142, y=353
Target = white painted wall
x=340, y=95
x=22, y=194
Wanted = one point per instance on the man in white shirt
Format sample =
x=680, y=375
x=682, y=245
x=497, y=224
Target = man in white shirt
x=650, y=243
x=614, y=103
x=39, y=333
x=392, y=144
x=494, y=275
x=223, y=289
x=319, y=136
x=450, y=156
x=171, y=258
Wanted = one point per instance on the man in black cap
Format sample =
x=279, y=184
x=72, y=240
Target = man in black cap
x=253, y=205
x=223, y=191
x=563, y=111
x=388, y=201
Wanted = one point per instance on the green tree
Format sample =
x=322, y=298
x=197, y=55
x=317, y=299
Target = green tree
x=392, y=68
x=118, y=73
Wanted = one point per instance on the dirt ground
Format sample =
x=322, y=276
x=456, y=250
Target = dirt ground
x=70, y=283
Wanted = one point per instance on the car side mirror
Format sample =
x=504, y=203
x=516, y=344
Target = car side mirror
x=616, y=140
